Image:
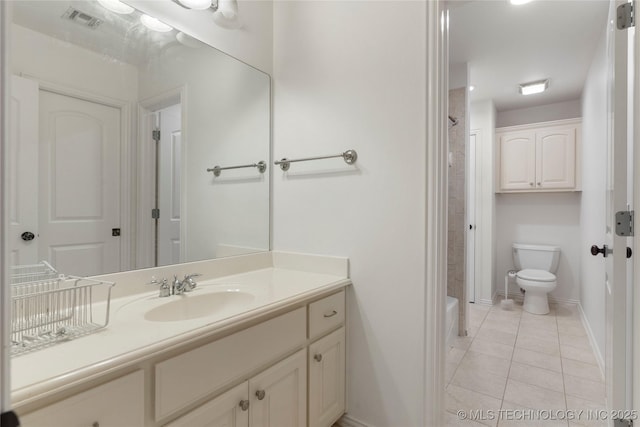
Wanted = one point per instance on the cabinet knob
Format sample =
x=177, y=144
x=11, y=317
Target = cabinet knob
x=531, y=184
x=317, y=357
x=95, y=424
x=260, y=394
x=244, y=405
x=539, y=184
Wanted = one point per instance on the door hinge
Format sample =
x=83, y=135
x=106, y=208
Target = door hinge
x=622, y=423
x=626, y=16
x=624, y=223
x=155, y=213
x=155, y=135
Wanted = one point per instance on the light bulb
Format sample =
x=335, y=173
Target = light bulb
x=116, y=6
x=196, y=4
x=155, y=24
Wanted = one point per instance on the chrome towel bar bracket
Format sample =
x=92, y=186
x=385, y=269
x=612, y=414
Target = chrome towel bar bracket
x=262, y=166
x=349, y=156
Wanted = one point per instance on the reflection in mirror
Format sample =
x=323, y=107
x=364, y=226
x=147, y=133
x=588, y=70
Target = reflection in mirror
x=113, y=128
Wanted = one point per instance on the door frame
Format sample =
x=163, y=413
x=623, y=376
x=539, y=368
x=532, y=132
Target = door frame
x=126, y=193
x=145, y=169
x=635, y=333
x=473, y=213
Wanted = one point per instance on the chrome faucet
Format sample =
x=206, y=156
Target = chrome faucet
x=185, y=285
x=165, y=289
x=177, y=287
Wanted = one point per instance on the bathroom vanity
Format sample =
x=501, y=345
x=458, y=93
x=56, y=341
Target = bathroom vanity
x=259, y=342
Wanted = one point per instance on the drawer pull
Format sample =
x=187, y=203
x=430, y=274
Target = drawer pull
x=333, y=313
x=244, y=405
x=95, y=424
x=317, y=357
x=260, y=394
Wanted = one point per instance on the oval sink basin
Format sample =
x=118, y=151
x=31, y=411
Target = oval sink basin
x=188, y=307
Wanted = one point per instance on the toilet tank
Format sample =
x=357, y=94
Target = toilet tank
x=539, y=257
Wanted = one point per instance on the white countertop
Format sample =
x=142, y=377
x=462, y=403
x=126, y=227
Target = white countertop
x=130, y=337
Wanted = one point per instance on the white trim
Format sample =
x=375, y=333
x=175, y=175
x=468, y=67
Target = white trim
x=437, y=95
x=5, y=372
x=592, y=339
x=635, y=386
x=127, y=224
x=518, y=296
x=347, y=421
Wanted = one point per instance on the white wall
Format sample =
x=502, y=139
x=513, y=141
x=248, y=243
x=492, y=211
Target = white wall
x=592, y=217
x=542, y=113
x=71, y=66
x=546, y=218
x=252, y=43
x=483, y=119
x=352, y=75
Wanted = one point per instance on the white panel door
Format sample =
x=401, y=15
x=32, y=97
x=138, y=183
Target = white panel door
x=227, y=410
x=327, y=379
x=169, y=185
x=23, y=170
x=556, y=158
x=79, y=184
x=473, y=180
x=617, y=353
x=517, y=161
x=278, y=395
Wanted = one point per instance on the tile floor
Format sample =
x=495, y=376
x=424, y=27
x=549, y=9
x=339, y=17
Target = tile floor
x=513, y=362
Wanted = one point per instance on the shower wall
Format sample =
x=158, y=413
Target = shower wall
x=456, y=283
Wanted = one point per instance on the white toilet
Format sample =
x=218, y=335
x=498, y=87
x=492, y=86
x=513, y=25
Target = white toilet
x=536, y=265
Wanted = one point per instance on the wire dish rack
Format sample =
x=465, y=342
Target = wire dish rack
x=48, y=307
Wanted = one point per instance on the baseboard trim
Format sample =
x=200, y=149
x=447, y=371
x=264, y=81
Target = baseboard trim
x=592, y=339
x=347, y=421
x=519, y=297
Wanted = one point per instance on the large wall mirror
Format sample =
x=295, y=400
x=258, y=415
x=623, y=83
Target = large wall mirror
x=113, y=128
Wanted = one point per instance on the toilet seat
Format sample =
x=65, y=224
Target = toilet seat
x=531, y=275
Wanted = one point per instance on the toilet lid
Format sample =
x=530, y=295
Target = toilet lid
x=537, y=275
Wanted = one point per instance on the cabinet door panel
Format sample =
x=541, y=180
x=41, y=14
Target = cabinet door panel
x=279, y=395
x=327, y=379
x=556, y=150
x=223, y=411
x=114, y=404
x=517, y=161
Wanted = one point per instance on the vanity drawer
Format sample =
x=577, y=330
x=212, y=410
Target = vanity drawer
x=116, y=403
x=195, y=374
x=326, y=314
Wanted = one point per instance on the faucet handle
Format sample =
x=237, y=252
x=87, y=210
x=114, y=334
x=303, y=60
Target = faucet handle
x=191, y=276
x=165, y=289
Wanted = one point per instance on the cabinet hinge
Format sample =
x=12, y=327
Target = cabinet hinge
x=626, y=16
x=624, y=223
x=622, y=423
x=155, y=135
x=155, y=213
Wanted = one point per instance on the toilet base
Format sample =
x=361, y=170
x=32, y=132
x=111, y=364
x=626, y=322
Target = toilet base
x=535, y=302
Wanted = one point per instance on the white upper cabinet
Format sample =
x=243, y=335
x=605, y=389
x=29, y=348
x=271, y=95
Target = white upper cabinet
x=539, y=157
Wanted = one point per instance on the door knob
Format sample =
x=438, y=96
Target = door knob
x=595, y=250
x=629, y=252
x=27, y=235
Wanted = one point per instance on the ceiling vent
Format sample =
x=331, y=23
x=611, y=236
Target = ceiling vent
x=82, y=18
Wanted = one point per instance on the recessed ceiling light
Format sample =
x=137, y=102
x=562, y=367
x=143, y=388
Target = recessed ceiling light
x=534, y=87
x=471, y=88
x=519, y=2
x=155, y=24
x=116, y=6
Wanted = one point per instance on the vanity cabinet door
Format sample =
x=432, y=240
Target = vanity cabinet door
x=230, y=409
x=327, y=379
x=556, y=153
x=114, y=404
x=278, y=395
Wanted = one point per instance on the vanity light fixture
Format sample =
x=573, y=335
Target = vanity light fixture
x=155, y=24
x=225, y=12
x=116, y=6
x=519, y=2
x=534, y=87
x=195, y=4
x=471, y=88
